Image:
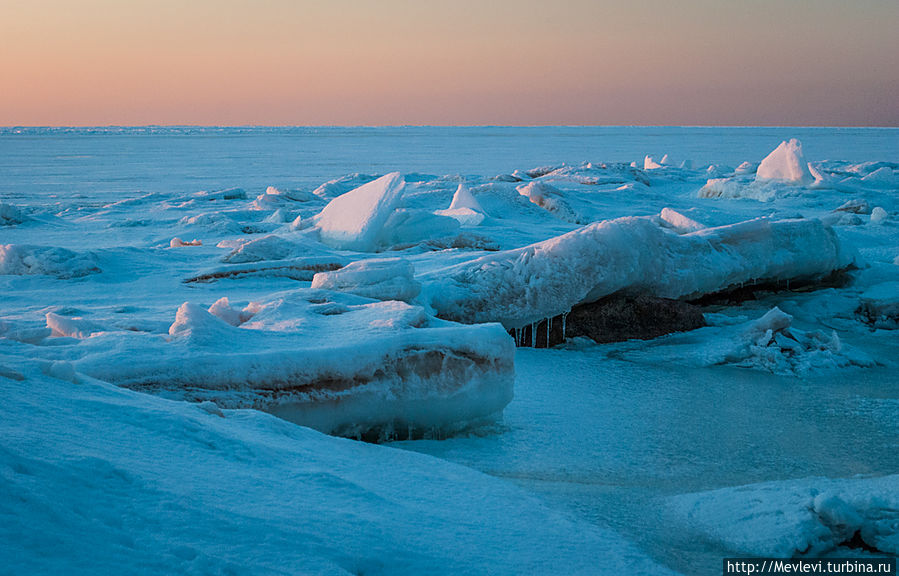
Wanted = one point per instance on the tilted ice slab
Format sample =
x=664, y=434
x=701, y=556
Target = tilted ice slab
x=354, y=220
x=464, y=207
x=785, y=163
x=808, y=516
x=521, y=286
x=338, y=363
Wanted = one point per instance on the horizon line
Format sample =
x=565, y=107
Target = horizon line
x=375, y=126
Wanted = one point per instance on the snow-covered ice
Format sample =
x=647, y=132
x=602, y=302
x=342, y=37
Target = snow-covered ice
x=525, y=285
x=158, y=395
x=811, y=516
x=378, y=278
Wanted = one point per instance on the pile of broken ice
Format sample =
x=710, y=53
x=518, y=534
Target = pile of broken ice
x=404, y=325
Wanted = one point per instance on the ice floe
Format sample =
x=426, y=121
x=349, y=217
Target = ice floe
x=525, y=285
x=340, y=364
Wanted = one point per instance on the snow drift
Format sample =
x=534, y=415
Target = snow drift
x=100, y=480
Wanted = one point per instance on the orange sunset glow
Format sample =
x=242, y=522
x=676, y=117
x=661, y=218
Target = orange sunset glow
x=98, y=62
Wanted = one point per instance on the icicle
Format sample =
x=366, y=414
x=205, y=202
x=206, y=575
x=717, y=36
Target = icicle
x=564, y=316
x=549, y=326
x=534, y=335
x=517, y=336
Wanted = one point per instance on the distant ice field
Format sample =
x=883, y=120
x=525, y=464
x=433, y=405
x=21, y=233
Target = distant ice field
x=104, y=162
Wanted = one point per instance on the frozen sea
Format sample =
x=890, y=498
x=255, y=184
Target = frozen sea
x=637, y=457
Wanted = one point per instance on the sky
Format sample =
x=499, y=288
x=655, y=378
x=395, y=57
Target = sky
x=460, y=62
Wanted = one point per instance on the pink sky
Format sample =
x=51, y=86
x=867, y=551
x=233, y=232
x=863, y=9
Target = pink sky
x=280, y=62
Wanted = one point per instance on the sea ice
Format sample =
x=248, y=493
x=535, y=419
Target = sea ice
x=549, y=198
x=342, y=364
x=878, y=215
x=408, y=227
x=811, y=516
x=20, y=259
x=99, y=479
x=10, y=215
x=464, y=207
x=525, y=285
x=353, y=220
x=678, y=222
x=377, y=278
x=786, y=163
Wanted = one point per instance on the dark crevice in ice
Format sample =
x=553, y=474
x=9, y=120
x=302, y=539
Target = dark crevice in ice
x=753, y=290
x=624, y=316
x=858, y=543
x=614, y=318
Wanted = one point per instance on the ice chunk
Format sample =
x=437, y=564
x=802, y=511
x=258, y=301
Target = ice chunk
x=775, y=320
x=178, y=242
x=274, y=198
x=21, y=259
x=722, y=188
x=193, y=317
x=746, y=167
x=354, y=220
x=880, y=305
x=550, y=199
x=10, y=215
x=883, y=177
x=678, y=222
x=737, y=187
x=381, y=279
x=786, y=163
x=333, y=188
x=272, y=247
x=878, y=215
x=222, y=309
x=465, y=208
x=409, y=227
x=336, y=362
x=525, y=285
x=71, y=327
x=772, y=343
x=854, y=206
x=464, y=216
x=464, y=199
x=811, y=516
x=650, y=164
x=303, y=268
